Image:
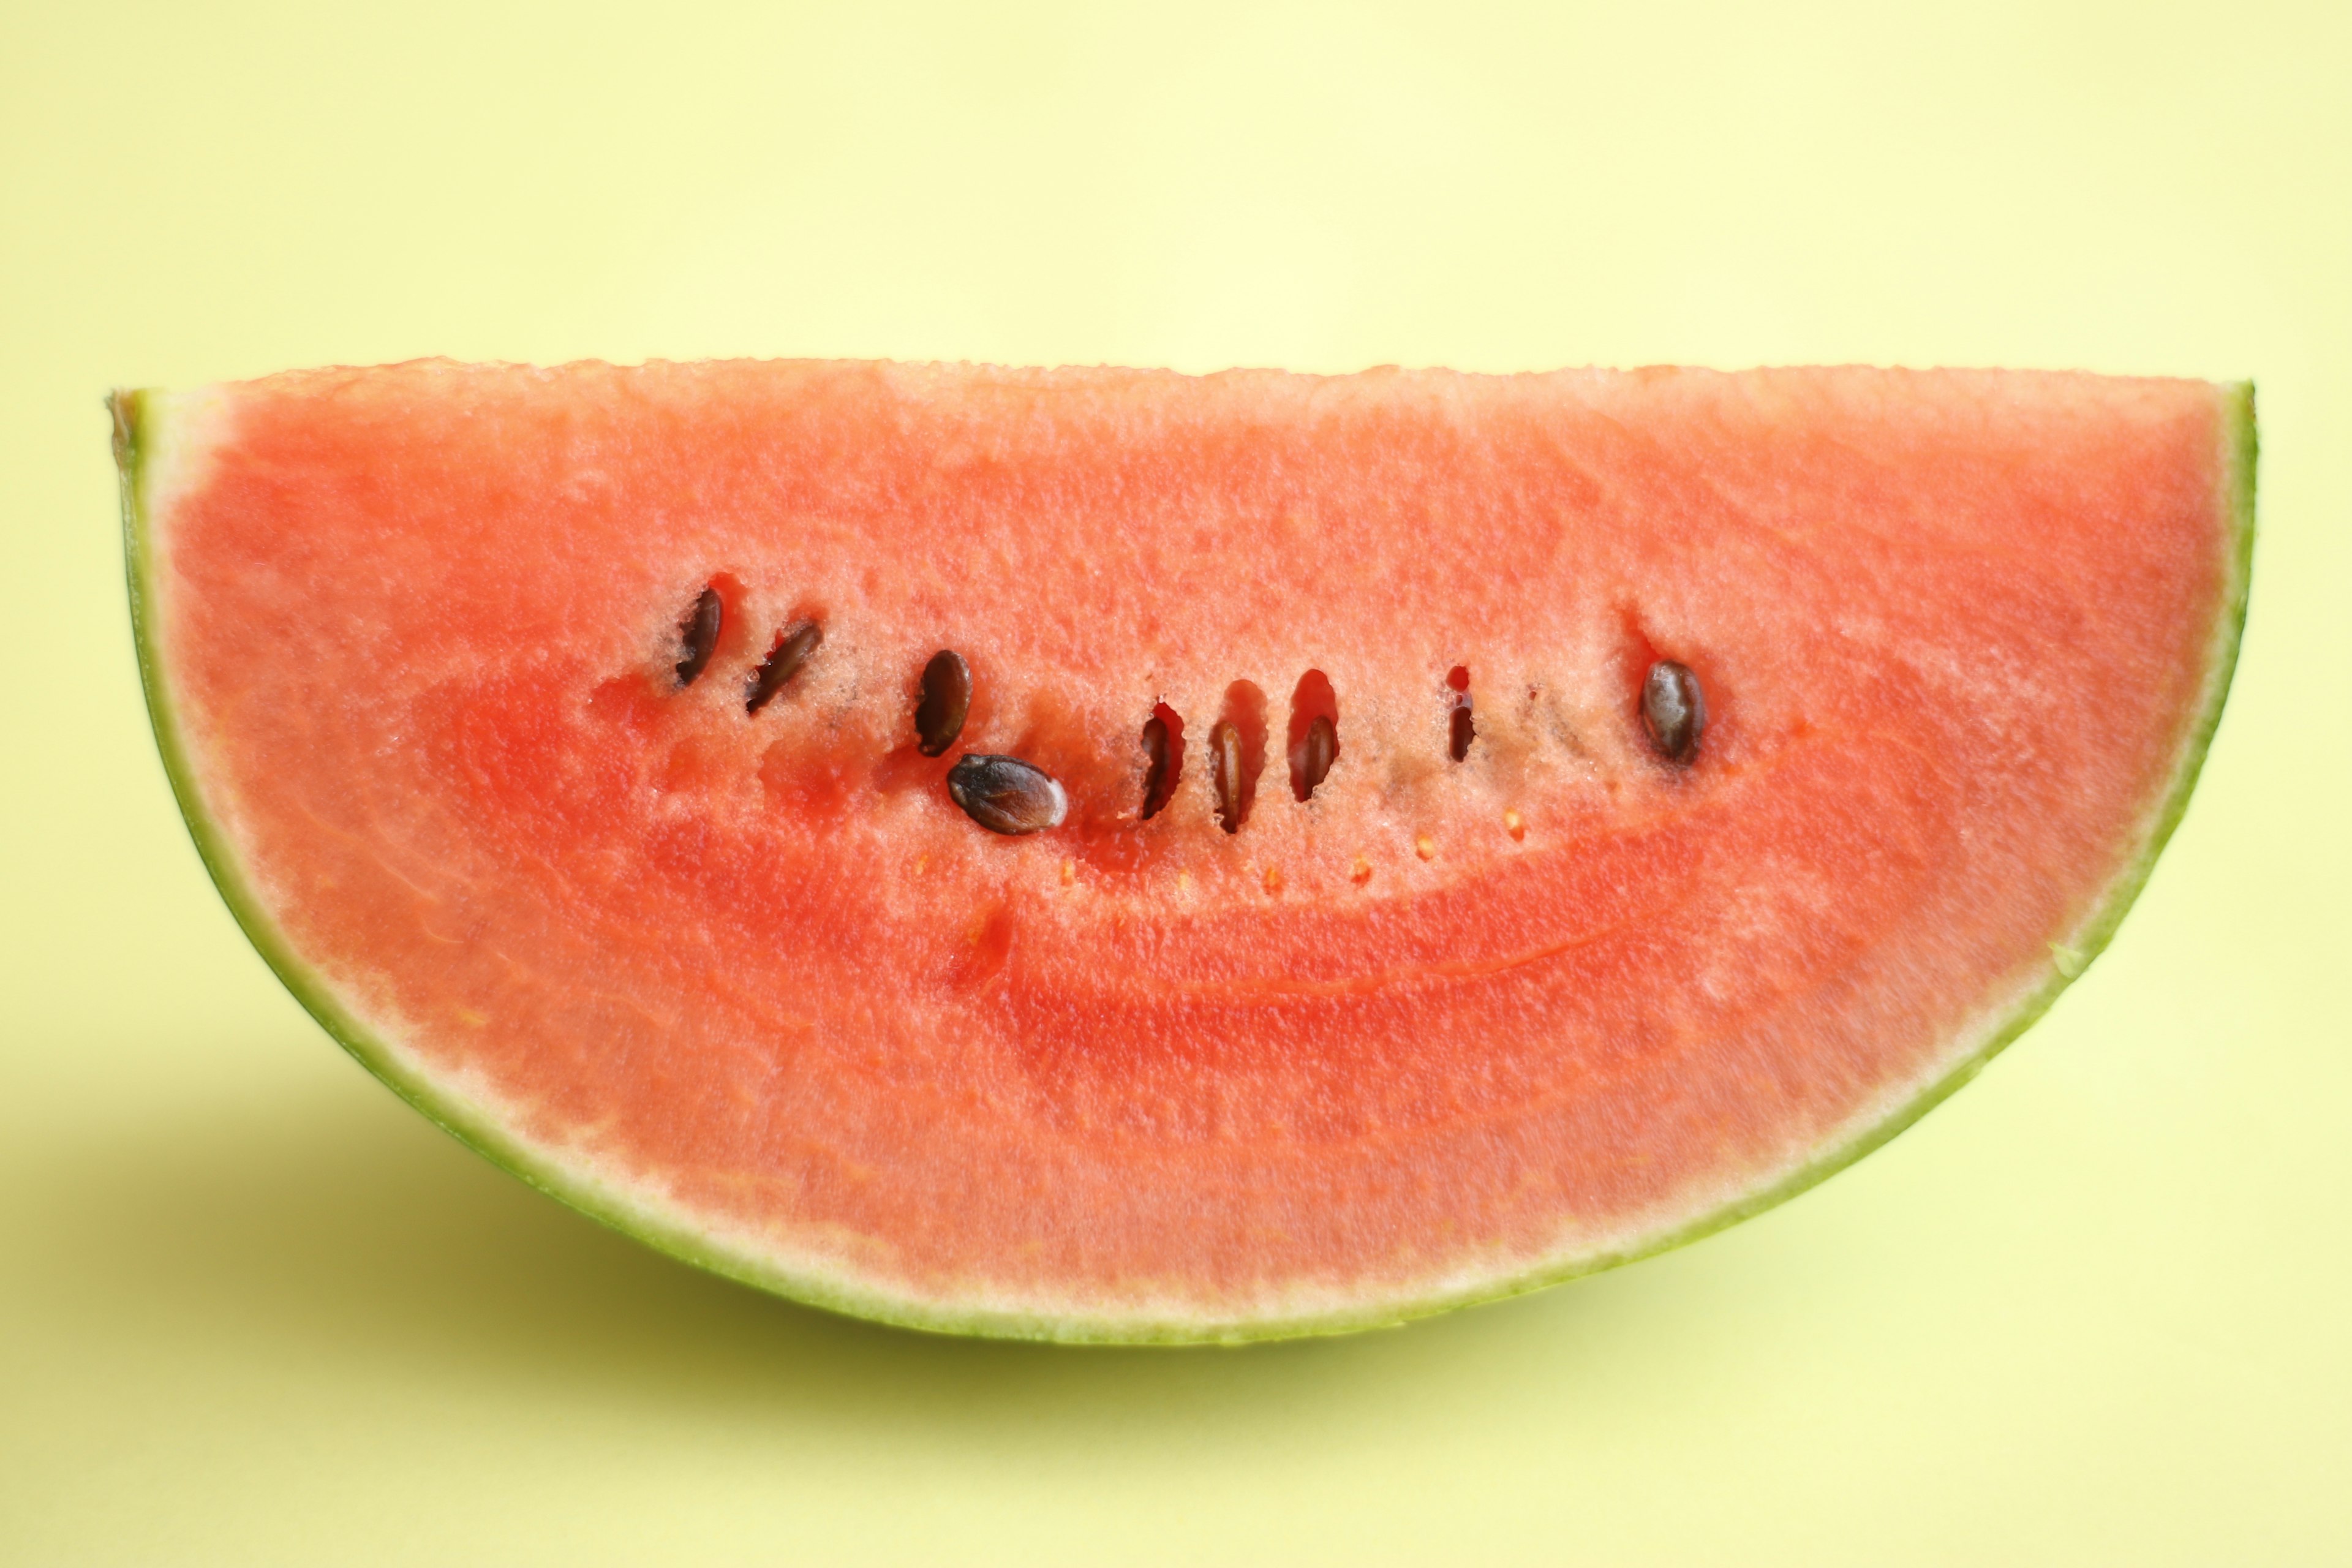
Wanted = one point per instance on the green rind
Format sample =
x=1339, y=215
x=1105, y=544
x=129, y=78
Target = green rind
x=133, y=447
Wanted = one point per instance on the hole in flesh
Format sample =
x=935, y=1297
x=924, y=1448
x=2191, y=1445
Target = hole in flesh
x=1460, y=730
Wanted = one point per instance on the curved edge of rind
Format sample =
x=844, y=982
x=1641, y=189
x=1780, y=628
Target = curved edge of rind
x=134, y=438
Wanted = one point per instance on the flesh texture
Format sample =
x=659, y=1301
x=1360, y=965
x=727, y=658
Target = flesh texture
x=753, y=986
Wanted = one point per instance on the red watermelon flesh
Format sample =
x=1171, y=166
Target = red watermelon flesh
x=753, y=986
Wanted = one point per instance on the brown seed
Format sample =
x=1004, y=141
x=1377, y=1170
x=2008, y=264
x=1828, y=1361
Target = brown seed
x=1237, y=753
x=698, y=635
x=1673, y=711
x=1163, y=752
x=947, y=698
x=1311, y=760
x=1005, y=794
x=1460, y=730
x=1313, y=705
x=1225, y=775
x=793, y=645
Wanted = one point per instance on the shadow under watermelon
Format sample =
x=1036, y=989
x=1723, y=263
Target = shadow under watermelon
x=334, y=1230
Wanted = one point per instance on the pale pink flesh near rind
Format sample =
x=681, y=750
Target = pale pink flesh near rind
x=654, y=1220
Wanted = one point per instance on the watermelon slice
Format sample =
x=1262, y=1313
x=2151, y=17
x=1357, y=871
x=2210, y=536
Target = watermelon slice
x=1105, y=855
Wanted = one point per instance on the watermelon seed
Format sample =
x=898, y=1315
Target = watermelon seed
x=1163, y=752
x=793, y=645
x=1310, y=762
x=698, y=635
x=1314, y=732
x=1225, y=775
x=947, y=698
x=1237, y=753
x=1673, y=710
x=1005, y=794
x=1229, y=777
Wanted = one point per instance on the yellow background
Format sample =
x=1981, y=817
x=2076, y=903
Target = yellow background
x=252, y=1310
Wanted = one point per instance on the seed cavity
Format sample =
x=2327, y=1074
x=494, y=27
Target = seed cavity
x=1314, y=732
x=1459, y=732
x=793, y=646
x=1005, y=794
x=1163, y=754
x=1237, y=755
x=1459, y=729
x=698, y=635
x=947, y=698
x=1673, y=711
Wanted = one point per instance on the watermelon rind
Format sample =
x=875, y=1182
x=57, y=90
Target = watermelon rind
x=143, y=436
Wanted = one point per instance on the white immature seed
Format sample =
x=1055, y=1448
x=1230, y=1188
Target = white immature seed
x=1005, y=794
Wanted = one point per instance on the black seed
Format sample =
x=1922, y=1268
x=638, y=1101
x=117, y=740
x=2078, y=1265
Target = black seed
x=947, y=698
x=793, y=645
x=1005, y=794
x=1164, y=766
x=1460, y=730
x=1673, y=711
x=1317, y=749
x=698, y=635
x=1225, y=775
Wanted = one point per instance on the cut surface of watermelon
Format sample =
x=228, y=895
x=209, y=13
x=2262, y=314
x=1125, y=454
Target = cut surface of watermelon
x=563, y=738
